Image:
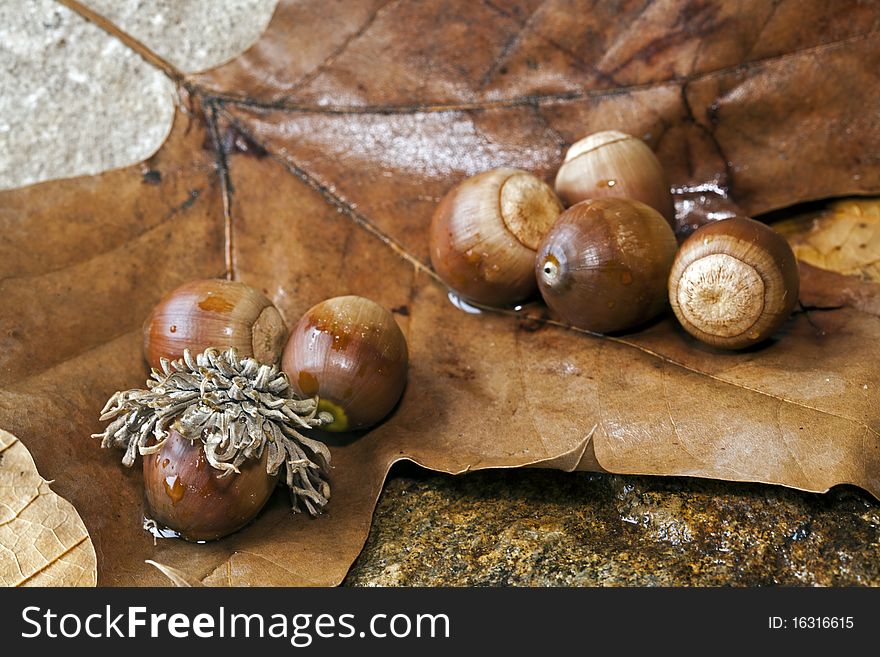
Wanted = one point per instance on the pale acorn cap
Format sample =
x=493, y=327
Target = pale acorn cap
x=494, y=221
x=733, y=283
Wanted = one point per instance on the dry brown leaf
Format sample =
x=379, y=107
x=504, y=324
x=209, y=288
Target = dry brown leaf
x=43, y=541
x=309, y=167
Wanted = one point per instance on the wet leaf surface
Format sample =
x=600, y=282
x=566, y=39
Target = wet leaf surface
x=309, y=167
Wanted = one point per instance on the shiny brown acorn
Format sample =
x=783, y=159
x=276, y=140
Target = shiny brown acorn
x=214, y=313
x=614, y=164
x=604, y=265
x=485, y=231
x=199, y=502
x=216, y=432
x=351, y=353
x=734, y=282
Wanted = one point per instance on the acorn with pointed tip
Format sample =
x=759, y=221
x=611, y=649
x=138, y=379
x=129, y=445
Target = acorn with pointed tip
x=485, y=231
x=734, y=282
x=614, y=164
x=604, y=265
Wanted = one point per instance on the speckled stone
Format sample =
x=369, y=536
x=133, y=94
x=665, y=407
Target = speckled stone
x=545, y=528
x=193, y=35
x=76, y=101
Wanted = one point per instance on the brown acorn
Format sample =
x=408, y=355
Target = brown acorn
x=734, y=282
x=485, y=231
x=614, y=164
x=216, y=432
x=201, y=503
x=349, y=352
x=604, y=265
x=214, y=313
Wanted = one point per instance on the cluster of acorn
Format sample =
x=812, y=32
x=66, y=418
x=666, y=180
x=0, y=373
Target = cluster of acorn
x=606, y=264
x=231, y=388
x=611, y=260
x=348, y=351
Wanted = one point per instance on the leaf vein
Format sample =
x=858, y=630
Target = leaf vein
x=539, y=99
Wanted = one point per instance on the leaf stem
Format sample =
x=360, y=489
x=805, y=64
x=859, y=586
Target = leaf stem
x=138, y=46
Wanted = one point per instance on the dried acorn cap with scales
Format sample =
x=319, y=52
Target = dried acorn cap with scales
x=238, y=411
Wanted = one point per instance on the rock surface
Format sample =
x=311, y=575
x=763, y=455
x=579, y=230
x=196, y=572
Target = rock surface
x=545, y=528
x=194, y=35
x=77, y=101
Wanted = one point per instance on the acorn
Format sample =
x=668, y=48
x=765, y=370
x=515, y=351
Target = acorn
x=351, y=354
x=614, y=164
x=216, y=432
x=485, y=231
x=734, y=282
x=198, y=501
x=216, y=313
x=604, y=265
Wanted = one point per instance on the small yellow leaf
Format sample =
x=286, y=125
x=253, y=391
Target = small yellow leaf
x=845, y=238
x=43, y=541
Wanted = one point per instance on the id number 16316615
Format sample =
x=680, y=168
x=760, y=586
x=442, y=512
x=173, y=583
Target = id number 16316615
x=811, y=623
